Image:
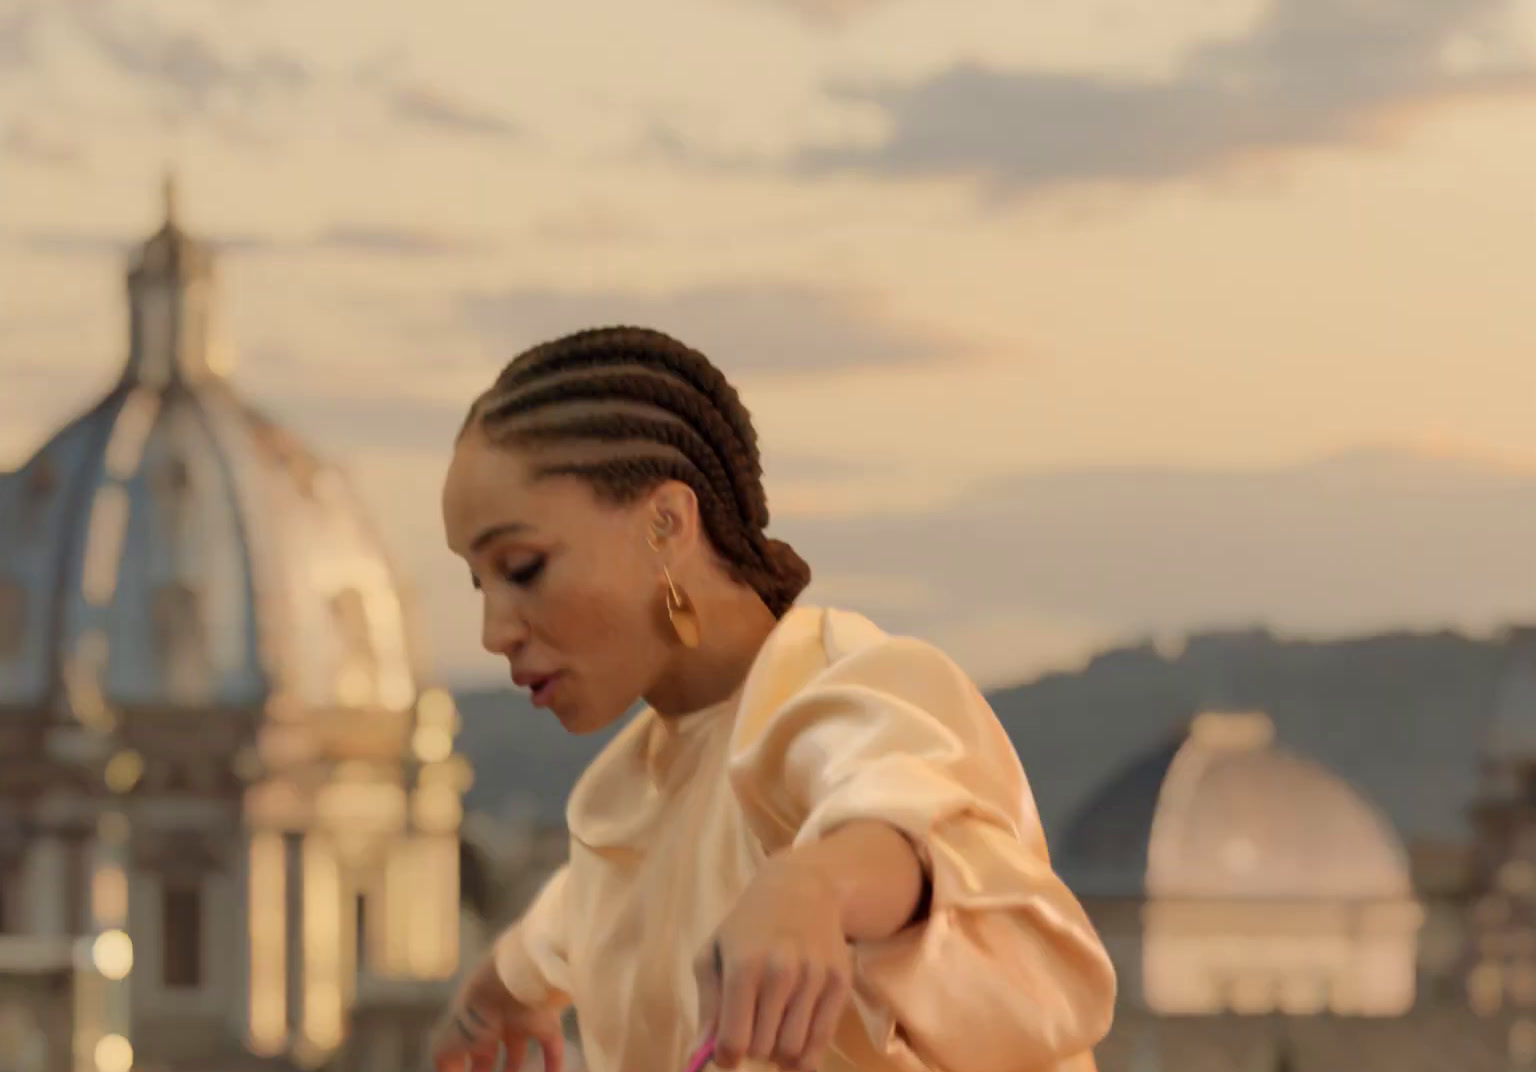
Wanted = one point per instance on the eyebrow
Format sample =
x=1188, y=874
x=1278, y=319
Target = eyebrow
x=496, y=531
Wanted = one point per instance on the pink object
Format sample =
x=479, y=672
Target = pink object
x=702, y=1056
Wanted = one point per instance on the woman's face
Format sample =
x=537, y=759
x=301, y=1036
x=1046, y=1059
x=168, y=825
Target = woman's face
x=569, y=584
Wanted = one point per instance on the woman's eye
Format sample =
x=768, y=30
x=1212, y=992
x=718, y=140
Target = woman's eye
x=526, y=575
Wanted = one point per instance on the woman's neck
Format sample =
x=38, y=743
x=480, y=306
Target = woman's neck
x=733, y=627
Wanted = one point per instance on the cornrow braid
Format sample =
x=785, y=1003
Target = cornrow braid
x=632, y=383
x=603, y=347
x=627, y=409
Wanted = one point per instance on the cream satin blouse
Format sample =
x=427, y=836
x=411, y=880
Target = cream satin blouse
x=836, y=721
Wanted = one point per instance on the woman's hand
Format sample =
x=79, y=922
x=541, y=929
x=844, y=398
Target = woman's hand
x=774, y=981
x=483, y=1017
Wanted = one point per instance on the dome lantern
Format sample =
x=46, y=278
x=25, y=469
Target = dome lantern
x=173, y=323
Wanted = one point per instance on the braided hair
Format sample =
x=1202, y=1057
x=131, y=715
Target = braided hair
x=627, y=409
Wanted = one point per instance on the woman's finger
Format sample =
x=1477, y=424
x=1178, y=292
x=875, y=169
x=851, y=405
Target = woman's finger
x=449, y=1060
x=824, y=1020
x=779, y=982
x=473, y=1026
x=706, y=974
x=795, y=1027
x=552, y=1044
x=738, y=1009
x=454, y=1043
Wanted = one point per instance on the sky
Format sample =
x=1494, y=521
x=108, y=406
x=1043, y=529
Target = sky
x=1063, y=323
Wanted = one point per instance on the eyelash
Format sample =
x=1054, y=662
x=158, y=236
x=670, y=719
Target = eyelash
x=525, y=577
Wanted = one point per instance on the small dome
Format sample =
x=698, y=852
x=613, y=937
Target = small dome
x=173, y=548
x=1228, y=813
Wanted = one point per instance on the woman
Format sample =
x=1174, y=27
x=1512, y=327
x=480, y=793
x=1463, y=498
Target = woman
x=815, y=844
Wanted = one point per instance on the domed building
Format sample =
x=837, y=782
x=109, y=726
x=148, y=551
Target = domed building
x=1250, y=880
x=1261, y=913
x=229, y=803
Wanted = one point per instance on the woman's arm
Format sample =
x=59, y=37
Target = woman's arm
x=872, y=871
x=1005, y=970
x=531, y=955
x=774, y=980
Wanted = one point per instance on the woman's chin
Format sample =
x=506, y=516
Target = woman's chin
x=580, y=720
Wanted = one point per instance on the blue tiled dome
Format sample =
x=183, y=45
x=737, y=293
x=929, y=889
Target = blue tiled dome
x=173, y=548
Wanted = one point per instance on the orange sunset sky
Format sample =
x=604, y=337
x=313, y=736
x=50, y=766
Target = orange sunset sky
x=1063, y=322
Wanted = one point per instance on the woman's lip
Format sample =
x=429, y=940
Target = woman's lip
x=541, y=687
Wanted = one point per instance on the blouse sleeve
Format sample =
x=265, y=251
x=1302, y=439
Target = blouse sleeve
x=1006, y=971
x=531, y=955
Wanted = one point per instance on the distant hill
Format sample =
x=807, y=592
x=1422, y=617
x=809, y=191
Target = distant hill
x=524, y=760
x=1400, y=716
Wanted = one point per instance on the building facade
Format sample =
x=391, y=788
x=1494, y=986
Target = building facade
x=229, y=801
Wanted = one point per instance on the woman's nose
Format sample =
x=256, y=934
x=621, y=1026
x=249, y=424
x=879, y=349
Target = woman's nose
x=502, y=631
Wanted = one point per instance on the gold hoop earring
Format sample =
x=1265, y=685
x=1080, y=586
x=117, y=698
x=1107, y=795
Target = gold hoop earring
x=681, y=613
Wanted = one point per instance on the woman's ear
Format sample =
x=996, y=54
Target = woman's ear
x=673, y=516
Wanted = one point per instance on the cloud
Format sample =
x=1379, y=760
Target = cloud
x=22, y=141
x=826, y=13
x=390, y=241
x=95, y=245
x=822, y=487
x=662, y=141
x=187, y=65
x=749, y=330
x=40, y=396
x=593, y=223
x=365, y=421
x=18, y=30
x=1310, y=73
x=354, y=239
x=429, y=108
x=57, y=242
x=791, y=465
x=425, y=106
x=23, y=327
x=872, y=593
x=1355, y=542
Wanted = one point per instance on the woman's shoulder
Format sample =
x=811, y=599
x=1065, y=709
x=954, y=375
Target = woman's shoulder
x=842, y=701
x=821, y=651
x=851, y=641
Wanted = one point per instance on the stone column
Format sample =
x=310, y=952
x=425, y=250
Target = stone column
x=46, y=897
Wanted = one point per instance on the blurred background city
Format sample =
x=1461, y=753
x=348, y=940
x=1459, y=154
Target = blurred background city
x=1168, y=362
